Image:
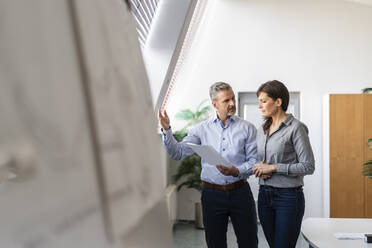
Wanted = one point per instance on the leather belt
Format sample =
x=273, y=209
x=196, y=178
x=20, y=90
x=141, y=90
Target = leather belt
x=231, y=186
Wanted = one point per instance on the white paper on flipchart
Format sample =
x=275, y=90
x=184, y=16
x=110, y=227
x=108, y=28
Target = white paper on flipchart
x=209, y=154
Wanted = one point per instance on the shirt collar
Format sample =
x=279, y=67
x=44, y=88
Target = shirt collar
x=288, y=120
x=215, y=117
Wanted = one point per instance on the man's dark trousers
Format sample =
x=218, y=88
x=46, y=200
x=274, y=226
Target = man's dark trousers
x=238, y=204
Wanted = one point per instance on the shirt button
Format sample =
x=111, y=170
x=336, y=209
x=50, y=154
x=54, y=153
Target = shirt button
x=223, y=149
x=223, y=138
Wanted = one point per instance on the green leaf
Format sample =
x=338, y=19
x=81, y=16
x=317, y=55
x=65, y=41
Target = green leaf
x=206, y=110
x=203, y=113
x=185, y=115
x=368, y=163
x=367, y=90
x=179, y=135
x=367, y=168
x=192, y=118
x=369, y=143
x=201, y=104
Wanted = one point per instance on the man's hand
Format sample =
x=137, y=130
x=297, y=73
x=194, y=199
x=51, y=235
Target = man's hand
x=228, y=170
x=263, y=170
x=163, y=119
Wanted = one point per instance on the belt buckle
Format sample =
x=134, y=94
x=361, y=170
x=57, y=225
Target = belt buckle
x=224, y=187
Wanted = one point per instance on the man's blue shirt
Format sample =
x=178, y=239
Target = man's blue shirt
x=236, y=142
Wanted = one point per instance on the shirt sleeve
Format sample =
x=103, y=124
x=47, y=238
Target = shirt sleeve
x=251, y=157
x=179, y=150
x=304, y=152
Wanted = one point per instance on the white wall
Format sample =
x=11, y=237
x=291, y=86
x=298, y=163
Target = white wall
x=314, y=47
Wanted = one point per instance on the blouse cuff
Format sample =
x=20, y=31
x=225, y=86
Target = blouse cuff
x=282, y=169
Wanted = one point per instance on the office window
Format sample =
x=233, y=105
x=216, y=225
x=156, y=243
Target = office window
x=143, y=12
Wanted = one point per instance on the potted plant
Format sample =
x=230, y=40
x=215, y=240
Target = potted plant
x=367, y=90
x=367, y=168
x=188, y=172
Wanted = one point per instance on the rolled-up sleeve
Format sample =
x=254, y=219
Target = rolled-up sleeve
x=304, y=152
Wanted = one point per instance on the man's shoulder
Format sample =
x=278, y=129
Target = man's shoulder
x=204, y=123
x=208, y=121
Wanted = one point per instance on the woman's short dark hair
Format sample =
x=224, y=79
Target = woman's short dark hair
x=274, y=89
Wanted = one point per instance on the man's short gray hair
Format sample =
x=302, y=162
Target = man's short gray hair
x=216, y=87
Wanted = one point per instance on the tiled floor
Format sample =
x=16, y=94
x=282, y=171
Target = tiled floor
x=185, y=235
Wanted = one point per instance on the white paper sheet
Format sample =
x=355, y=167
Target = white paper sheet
x=209, y=154
x=349, y=236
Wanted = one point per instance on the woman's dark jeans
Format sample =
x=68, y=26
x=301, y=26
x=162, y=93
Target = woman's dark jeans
x=280, y=211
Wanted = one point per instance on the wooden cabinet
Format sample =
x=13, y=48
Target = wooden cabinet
x=350, y=126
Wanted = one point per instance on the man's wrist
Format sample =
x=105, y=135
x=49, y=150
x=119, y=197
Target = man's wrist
x=274, y=168
x=163, y=129
x=237, y=173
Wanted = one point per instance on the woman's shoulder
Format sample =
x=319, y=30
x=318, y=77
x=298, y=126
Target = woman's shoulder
x=299, y=125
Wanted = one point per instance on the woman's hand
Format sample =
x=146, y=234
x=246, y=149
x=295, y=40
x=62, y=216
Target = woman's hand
x=263, y=170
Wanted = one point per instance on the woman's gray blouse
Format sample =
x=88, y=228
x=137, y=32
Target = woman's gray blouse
x=289, y=148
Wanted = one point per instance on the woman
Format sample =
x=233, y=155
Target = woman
x=285, y=153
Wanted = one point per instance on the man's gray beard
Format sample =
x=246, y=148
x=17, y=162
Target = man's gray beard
x=229, y=113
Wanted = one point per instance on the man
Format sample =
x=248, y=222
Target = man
x=225, y=191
